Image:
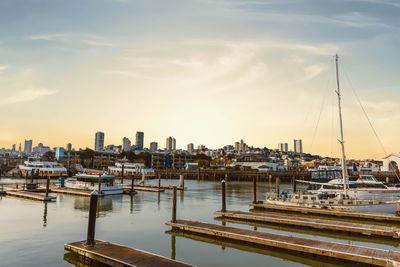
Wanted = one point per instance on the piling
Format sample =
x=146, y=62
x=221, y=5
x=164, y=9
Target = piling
x=254, y=190
x=269, y=183
x=159, y=181
x=92, y=219
x=223, y=196
x=174, y=205
x=122, y=174
x=99, y=183
x=277, y=187
x=47, y=186
x=133, y=184
x=294, y=184
x=181, y=181
x=143, y=178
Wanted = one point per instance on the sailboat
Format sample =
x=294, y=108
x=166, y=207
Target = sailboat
x=364, y=194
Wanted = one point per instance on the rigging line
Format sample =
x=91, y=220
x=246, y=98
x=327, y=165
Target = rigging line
x=366, y=116
x=322, y=106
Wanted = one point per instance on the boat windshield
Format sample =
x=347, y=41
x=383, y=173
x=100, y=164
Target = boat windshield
x=326, y=175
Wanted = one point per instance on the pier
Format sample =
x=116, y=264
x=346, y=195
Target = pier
x=117, y=255
x=307, y=222
x=327, y=212
x=69, y=191
x=30, y=195
x=376, y=257
x=127, y=189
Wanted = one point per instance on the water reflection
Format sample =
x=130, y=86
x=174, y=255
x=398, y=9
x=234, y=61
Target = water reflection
x=173, y=247
x=105, y=204
x=45, y=215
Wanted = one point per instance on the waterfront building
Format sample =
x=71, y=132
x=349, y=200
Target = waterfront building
x=190, y=148
x=99, y=141
x=139, y=141
x=99, y=160
x=298, y=146
x=161, y=160
x=171, y=144
x=391, y=163
x=283, y=147
x=69, y=147
x=201, y=148
x=153, y=146
x=60, y=152
x=28, y=147
x=126, y=144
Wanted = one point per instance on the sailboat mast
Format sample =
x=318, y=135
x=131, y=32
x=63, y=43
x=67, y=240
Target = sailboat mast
x=344, y=169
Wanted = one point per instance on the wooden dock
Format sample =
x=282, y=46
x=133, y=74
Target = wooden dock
x=30, y=195
x=328, y=212
x=117, y=255
x=302, y=221
x=358, y=254
x=144, y=188
x=69, y=191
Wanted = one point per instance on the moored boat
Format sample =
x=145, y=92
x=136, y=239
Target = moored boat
x=103, y=183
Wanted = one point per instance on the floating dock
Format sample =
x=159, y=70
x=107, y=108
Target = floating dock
x=144, y=188
x=328, y=212
x=117, y=255
x=302, y=221
x=69, y=191
x=376, y=257
x=30, y=195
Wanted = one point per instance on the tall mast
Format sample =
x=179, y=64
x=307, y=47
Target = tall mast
x=344, y=169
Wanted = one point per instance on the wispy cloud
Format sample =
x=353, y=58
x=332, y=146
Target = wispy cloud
x=26, y=96
x=65, y=38
x=3, y=68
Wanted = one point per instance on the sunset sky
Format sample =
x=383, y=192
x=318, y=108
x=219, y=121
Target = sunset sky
x=207, y=72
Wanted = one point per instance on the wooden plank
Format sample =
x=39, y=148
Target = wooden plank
x=303, y=221
x=327, y=212
x=358, y=254
x=69, y=191
x=30, y=195
x=117, y=255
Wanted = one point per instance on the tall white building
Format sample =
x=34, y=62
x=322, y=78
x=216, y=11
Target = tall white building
x=126, y=144
x=283, y=147
x=170, y=144
x=99, y=141
x=298, y=146
x=28, y=147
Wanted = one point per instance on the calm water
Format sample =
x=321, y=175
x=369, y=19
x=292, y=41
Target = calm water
x=33, y=233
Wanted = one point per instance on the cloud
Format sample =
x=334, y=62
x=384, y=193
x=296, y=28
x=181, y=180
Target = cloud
x=70, y=38
x=3, y=68
x=26, y=96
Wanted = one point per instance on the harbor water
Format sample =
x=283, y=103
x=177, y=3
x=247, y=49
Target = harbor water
x=33, y=233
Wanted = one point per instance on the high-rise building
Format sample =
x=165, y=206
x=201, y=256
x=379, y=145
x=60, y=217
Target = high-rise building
x=153, y=146
x=139, y=140
x=298, y=146
x=126, y=144
x=171, y=144
x=190, y=148
x=69, y=147
x=28, y=147
x=237, y=147
x=40, y=149
x=99, y=141
x=60, y=151
x=14, y=147
x=283, y=147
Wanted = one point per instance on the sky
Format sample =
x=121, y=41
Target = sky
x=205, y=72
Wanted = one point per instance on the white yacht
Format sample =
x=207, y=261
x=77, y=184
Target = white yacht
x=42, y=169
x=131, y=169
x=103, y=183
x=334, y=189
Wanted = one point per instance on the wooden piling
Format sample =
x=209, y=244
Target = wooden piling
x=90, y=241
x=254, y=190
x=223, y=186
x=174, y=205
x=277, y=186
x=47, y=186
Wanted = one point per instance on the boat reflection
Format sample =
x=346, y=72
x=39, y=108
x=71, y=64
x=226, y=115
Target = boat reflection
x=104, y=205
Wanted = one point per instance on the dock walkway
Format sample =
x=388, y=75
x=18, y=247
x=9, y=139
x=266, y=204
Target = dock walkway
x=30, y=195
x=358, y=254
x=117, y=255
x=328, y=212
x=308, y=222
x=69, y=191
x=144, y=188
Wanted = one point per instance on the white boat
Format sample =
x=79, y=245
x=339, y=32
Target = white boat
x=131, y=169
x=42, y=169
x=103, y=183
x=335, y=190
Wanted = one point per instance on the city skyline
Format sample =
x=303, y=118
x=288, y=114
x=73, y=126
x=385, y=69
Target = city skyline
x=266, y=78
